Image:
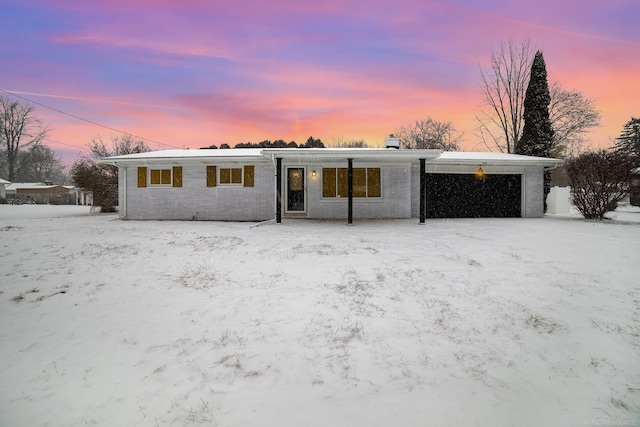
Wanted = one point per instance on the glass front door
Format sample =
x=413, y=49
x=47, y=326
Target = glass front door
x=295, y=190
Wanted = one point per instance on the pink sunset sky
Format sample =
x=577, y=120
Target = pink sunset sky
x=195, y=73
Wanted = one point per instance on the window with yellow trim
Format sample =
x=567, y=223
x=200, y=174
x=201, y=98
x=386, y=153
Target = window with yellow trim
x=230, y=176
x=160, y=176
x=366, y=182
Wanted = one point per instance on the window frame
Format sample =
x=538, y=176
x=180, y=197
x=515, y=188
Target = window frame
x=244, y=175
x=223, y=169
x=341, y=173
x=161, y=169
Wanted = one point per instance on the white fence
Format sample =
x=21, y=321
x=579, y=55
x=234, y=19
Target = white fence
x=559, y=200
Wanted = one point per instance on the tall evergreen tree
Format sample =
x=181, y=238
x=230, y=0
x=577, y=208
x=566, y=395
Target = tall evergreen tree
x=504, y=83
x=537, y=134
x=628, y=143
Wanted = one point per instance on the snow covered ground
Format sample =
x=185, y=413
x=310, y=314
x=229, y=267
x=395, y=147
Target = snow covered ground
x=483, y=322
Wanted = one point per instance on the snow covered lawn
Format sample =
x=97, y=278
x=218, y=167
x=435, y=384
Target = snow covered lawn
x=483, y=322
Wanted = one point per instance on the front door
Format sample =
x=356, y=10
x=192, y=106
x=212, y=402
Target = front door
x=295, y=190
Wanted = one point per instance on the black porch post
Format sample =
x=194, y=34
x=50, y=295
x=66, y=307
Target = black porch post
x=423, y=191
x=278, y=190
x=350, y=189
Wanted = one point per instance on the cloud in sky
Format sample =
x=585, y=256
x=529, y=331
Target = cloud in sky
x=207, y=72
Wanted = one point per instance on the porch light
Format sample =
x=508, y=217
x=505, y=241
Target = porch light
x=480, y=173
x=313, y=172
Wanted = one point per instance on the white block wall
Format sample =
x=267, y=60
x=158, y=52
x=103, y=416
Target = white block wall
x=394, y=203
x=415, y=191
x=195, y=201
x=533, y=193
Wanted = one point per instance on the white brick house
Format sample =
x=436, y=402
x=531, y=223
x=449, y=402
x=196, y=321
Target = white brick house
x=254, y=184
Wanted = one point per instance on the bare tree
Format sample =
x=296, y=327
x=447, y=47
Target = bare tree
x=102, y=180
x=340, y=142
x=19, y=129
x=599, y=180
x=429, y=133
x=39, y=164
x=119, y=146
x=571, y=115
x=503, y=83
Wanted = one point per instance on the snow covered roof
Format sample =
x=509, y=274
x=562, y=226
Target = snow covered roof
x=30, y=185
x=4, y=182
x=327, y=154
x=169, y=155
x=487, y=158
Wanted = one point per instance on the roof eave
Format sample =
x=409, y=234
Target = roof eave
x=200, y=160
x=541, y=162
x=351, y=153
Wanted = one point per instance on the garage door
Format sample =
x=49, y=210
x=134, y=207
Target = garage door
x=465, y=196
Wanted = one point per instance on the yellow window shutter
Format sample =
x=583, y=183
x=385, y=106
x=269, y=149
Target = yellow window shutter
x=177, y=176
x=142, y=177
x=248, y=176
x=211, y=176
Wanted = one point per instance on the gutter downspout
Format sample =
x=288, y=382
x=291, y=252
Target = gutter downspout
x=350, y=192
x=124, y=193
x=275, y=195
x=278, y=191
x=423, y=191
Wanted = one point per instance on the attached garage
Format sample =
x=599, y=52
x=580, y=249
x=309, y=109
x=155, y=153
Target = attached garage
x=459, y=195
x=484, y=185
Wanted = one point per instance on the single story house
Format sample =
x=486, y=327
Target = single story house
x=40, y=192
x=258, y=184
x=36, y=188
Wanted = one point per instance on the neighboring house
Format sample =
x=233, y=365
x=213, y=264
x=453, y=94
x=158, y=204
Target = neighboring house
x=3, y=185
x=39, y=192
x=254, y=184
x=36, y=188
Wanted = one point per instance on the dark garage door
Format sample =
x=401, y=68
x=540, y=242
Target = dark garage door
x=465, y=196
